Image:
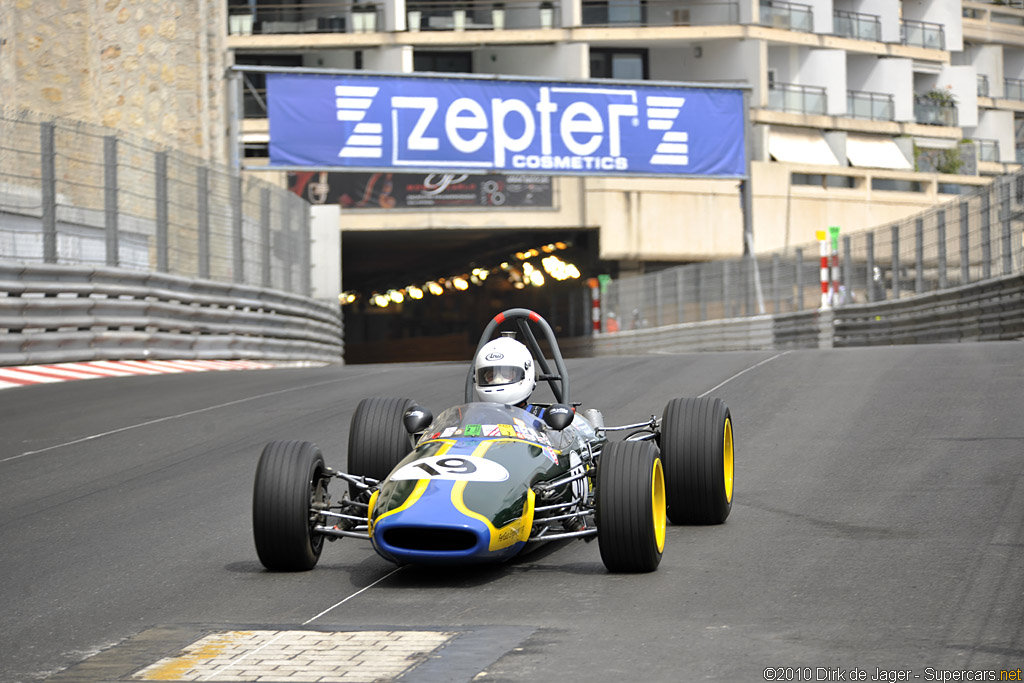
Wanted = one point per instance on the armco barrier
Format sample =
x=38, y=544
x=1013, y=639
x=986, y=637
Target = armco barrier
x=982, y=311
x=54, y=313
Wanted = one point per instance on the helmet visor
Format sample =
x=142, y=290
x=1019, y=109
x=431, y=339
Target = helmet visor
x=495, y=375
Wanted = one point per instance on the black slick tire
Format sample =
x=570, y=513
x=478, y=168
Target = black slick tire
x=377, y=439
x=289, y=482
x=630, y=506
x=697, y=450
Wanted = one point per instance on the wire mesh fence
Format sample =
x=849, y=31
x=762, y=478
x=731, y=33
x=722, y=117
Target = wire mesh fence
x=75, y=193
x=976, y=237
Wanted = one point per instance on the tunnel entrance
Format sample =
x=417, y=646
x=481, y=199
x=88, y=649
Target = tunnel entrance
x=440, y=287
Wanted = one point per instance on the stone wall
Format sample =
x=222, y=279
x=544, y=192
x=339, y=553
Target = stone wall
x=153, y=68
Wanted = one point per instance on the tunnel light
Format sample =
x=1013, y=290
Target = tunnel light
x=460, y=283
x=414, y=292
x=537, y=278
x=435, y=288
x=396, y=296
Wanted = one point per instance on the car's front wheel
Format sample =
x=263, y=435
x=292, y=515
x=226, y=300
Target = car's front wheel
x=377, y=438
x=290, y=485
x=630, y=506
x=697, y=448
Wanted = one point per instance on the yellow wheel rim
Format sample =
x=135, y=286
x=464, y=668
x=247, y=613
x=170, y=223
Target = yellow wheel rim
x=727, y=460
x=658, y=504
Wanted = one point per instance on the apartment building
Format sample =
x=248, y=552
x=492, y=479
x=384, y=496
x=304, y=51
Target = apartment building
x=863, y=111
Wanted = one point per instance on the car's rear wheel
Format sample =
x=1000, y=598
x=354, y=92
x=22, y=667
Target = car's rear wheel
x=377, y=439
x=630, y=506
x=290, y=481
x=697, y=449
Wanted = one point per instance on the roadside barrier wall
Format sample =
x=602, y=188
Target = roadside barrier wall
x=52, y=313
x=988, y=310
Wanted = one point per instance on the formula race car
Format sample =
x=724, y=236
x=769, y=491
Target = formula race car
x=484, y=480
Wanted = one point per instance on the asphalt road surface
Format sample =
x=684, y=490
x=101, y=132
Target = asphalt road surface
x=878, y=524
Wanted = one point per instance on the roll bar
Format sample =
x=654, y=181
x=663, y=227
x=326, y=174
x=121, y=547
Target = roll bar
x=558, y=381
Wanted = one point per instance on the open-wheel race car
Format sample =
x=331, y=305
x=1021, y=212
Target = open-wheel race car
x=486, y=479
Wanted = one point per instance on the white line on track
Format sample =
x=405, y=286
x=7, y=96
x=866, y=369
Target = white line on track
x=170, y=417
x=305, y=623
x=743, y=372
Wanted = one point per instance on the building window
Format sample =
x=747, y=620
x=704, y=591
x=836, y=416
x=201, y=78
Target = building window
x=446, y=62
x=254, y=85
x=622, y=64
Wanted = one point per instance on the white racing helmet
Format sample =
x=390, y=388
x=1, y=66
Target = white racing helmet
x=503, y=372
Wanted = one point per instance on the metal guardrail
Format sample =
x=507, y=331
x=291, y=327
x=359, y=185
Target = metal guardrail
x=984, y=311
x=52, y=313
x=991, y=310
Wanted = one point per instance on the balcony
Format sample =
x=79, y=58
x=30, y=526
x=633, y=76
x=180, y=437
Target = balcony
x=341, y=16
x=476, y=15
x=800, y=99
x=857, y=26
x=789, y=15
x=988, y=150
x=983, y=85
x=871, y=106
x=933, y=110
x=922, y=34
x=607, y=13
x=1013, y=89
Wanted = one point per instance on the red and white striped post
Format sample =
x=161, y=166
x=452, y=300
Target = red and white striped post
x=823, y=252
x=595, y=303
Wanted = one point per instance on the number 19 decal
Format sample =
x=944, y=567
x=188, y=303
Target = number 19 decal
x=452, y=468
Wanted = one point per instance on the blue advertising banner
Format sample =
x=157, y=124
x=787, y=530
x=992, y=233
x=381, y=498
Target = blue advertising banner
x=409, y=123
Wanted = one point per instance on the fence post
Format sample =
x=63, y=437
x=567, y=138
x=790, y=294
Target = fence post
x=680, y=309
x=726, y=302
x=700, y=292
x=1004, y=217
x=162, y=246
x=919, y=256
x=657, y=299
x=203, y=227
x=110, y=198
x=940, y=226
x=895, y=261
x=986, y=234
x=305, y=245
x=965, y=242
x=237, y=241
x=799, y=278
x=48, y=176
x=265, y=237
x=776, y=293
x=845, y=270
x=870, y=267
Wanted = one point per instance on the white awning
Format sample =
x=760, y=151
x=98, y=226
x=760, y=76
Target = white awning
x=869, y=151
x=800, y=147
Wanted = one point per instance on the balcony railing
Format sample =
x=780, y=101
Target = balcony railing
x=988, y=150
x=982, y=85
x=856, y=25
x=873, y=106
x=1013, y=89
x=934, y=112
x=474, y=15
x=801, y=99
x=660, y=13
x=922, y=34
x=341, y=16
x=791, y=15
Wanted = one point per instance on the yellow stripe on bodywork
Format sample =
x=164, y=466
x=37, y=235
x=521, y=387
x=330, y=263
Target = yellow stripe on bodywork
x=417, y=492
x=513, y=532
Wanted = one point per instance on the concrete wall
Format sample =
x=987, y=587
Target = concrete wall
x=155, y=70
